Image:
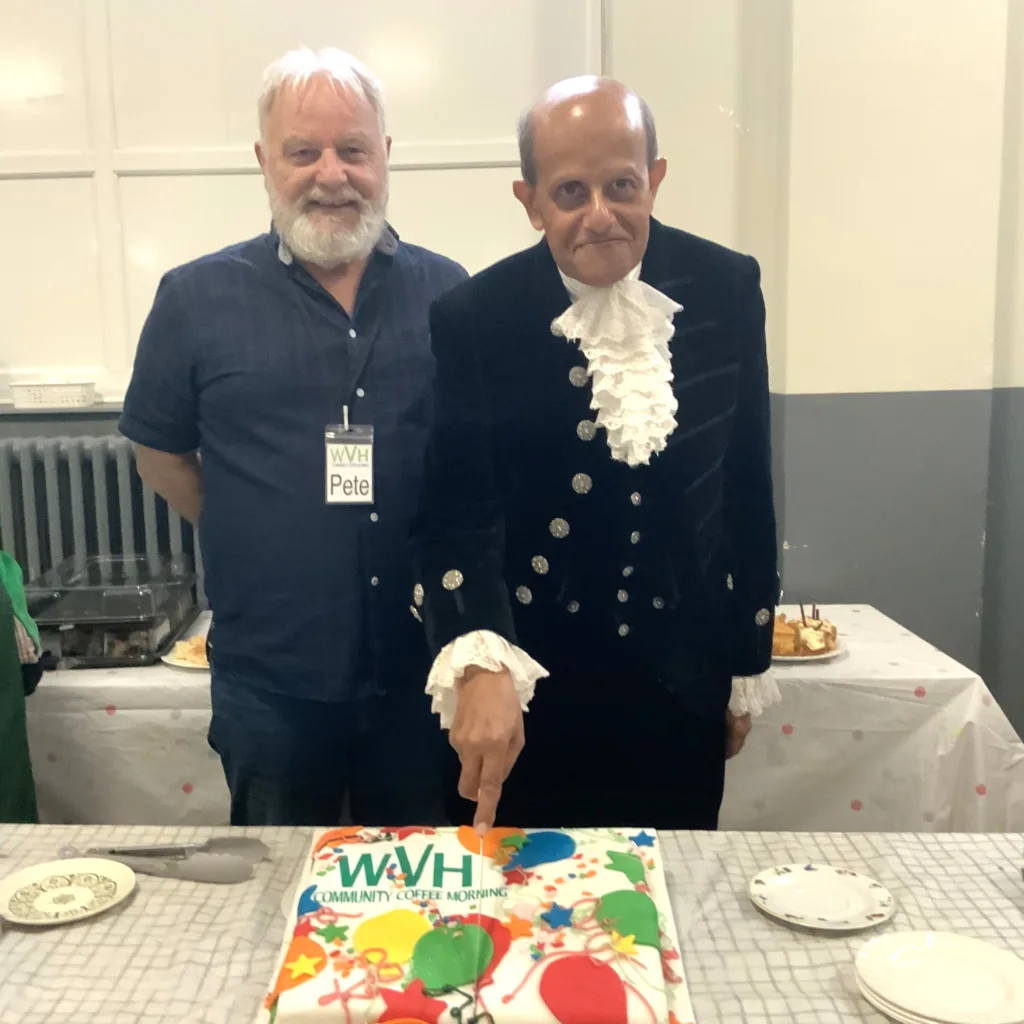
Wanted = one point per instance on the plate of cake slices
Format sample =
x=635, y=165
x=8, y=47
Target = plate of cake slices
x=806, y=637
x=190, y=650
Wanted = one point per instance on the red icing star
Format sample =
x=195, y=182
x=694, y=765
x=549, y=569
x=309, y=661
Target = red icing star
x=412, y=1003
x=515, y=876
x=304, y=928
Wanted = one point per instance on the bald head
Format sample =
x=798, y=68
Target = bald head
x=591, y=172
x=584, y=104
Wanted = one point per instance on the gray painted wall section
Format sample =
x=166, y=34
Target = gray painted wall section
x=1002, y=649
x=884, y=499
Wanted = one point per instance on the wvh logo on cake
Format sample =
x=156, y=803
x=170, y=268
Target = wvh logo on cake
x=361, y=878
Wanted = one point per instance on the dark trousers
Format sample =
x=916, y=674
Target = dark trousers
x=289, y=761
x=611, y=750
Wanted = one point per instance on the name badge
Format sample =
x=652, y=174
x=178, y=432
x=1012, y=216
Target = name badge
x=349, y=476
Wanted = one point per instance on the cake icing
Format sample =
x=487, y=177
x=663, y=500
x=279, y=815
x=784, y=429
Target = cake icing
x=438, y=926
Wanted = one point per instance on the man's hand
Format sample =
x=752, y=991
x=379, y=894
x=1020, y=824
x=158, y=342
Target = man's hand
x=736, y=732
x=488, y=734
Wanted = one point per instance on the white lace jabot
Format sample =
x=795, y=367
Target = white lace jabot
x=624, y=331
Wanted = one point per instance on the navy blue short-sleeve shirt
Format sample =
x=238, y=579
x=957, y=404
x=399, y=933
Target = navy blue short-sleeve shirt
x=246, y=358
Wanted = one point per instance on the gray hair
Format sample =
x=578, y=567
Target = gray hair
x=297, y=67
x=527, y=138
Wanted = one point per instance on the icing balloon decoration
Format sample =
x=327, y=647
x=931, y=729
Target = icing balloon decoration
x=629, y=912
x=450, y=956
x=304, y=960
x=581, y=990
x=308, y=905
x=492, y=843
x=628, y=863
x=397, y=933
x=500, y=937
x=338, y=837
x=542, y=848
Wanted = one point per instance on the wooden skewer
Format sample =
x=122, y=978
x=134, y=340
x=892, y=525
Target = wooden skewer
x=803, y=614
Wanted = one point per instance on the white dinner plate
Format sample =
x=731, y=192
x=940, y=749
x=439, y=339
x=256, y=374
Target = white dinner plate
x=943, y=977
x=890, y=1011
x=198, y=628
x=63, y=891
x=793, y=659
x=822, y=896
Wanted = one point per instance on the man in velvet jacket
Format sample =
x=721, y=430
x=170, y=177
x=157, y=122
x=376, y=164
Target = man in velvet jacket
x=597, y=513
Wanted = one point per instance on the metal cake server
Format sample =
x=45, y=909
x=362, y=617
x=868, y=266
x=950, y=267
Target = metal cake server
x=245, y=847
x=213, y=868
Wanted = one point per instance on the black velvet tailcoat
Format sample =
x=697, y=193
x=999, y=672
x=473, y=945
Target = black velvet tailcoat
x=670, y=567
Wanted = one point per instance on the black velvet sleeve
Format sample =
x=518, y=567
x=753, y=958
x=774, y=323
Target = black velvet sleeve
x=749, y=508
x=459, y=536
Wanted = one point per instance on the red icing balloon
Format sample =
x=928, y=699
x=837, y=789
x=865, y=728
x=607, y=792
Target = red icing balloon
x=500, y=936
x=579, y=990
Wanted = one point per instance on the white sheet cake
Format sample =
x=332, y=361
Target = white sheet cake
x=436, y=926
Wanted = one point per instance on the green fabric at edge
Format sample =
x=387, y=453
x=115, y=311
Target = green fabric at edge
x=13, y=583
x=17, y=792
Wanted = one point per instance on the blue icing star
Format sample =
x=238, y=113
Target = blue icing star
x=557, y=917
x=308, y=905
x=542, y=848
x=642, y=839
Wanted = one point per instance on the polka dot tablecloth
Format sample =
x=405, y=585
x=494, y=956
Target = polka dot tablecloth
x=126, y=746
x=182, y=953
x=892, y=735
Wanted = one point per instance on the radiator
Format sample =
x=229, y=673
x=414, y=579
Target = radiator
x=75, y=496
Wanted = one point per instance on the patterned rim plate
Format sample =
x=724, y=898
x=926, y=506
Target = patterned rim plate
x=795, y=659
x=63, y=891
x=822, y=896
x=941, y=977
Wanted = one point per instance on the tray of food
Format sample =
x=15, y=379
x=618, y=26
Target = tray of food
x=805, y=637
x=190, y=651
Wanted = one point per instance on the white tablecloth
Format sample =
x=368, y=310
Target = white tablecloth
x=126, y=745
x=181, y=953
x=892, y=735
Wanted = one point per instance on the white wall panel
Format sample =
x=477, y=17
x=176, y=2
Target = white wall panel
x=456, y=72
x=49, y=291
x=42, y=80
x=895, y=167
x=469, y=214
x=170, y=220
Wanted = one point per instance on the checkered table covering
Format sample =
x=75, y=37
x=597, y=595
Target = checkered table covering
x=181, y=953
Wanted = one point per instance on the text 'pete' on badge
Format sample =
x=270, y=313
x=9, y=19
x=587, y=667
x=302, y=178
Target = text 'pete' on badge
x=349, y=465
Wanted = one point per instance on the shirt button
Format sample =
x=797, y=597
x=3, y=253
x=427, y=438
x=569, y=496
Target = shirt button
x=374, y=581
x=374, y=517
x=360, y=393
x=351, y=332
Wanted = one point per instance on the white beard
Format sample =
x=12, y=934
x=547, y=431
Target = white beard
x=328, y=247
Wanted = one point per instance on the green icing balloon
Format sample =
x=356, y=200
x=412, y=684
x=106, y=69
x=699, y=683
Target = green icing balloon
x=513, y=842
x=629, y=912
x=448, y=957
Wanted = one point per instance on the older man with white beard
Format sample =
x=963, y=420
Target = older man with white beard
x=280, y=401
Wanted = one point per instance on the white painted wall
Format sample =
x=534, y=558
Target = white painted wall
x=126, y=131
x=856, y=147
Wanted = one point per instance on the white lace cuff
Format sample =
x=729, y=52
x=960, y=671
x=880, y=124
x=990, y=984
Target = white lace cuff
x=752, y=694
x=485, y=650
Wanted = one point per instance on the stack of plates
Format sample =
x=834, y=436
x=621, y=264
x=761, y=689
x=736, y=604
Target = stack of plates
x=936, y=978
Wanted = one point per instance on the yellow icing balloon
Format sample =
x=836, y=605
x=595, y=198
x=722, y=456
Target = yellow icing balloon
x=397, y=931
